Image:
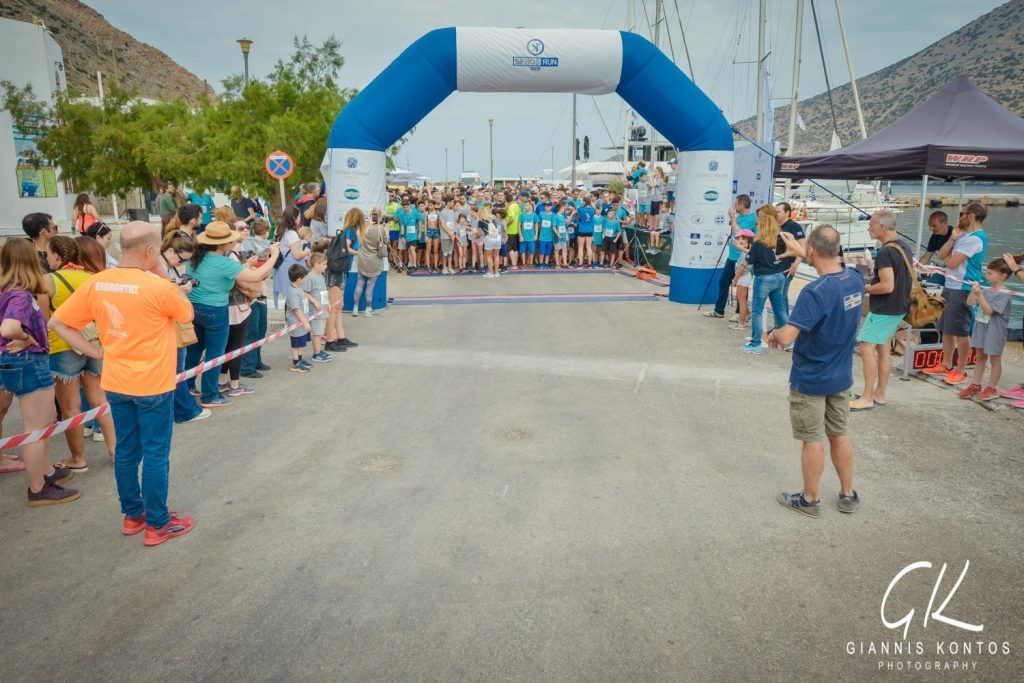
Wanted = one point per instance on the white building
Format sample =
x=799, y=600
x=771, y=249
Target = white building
x=29, y=55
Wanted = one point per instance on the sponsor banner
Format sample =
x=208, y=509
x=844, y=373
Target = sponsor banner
x=753, y=174
x=538, y=60
x=355, y=178
x=703, y=195
x=966, y=160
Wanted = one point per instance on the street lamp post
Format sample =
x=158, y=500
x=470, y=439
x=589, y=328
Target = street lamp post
x=490, y=130
x=246, y=44
x=463, y=156
x=552, y=164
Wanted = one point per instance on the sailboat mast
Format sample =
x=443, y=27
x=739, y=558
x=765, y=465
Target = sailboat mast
x=794, y=97
x=762, y=21
x=658, y=11
x=853, y=81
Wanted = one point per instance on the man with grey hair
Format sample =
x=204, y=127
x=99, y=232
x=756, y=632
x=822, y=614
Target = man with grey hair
x=964, y=256
x=822, y=328
x=135, y=307
x=888, y=293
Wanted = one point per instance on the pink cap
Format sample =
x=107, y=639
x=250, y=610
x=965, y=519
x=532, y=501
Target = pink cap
x=745, y=233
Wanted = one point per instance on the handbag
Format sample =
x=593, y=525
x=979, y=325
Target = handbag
x=185, y=334
x=90, y=331
x=924, y=308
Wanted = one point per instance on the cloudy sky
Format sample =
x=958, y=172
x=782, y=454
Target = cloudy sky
x=200, y=35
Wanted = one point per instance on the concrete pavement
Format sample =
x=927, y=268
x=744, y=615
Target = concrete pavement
x=563, y=491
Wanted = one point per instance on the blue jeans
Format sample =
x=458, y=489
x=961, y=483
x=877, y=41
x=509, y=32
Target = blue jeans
x=728, y=272
x=211, y=323
x=143, y=425
x=257, y=330
x=185, y=407
x=767, y=287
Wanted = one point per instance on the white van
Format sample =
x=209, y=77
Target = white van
x=469, y=179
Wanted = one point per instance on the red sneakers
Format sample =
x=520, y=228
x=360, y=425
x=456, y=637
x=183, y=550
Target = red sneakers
x=937, y=370
x=133, y=526
x=987, y=394
x=177, y=526
x=955, y=377
x=971, y=390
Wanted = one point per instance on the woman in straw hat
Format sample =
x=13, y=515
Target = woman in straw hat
x=214, y=275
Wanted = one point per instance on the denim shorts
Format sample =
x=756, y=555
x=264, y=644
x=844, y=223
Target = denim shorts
x=25, y=373
x=67, y=366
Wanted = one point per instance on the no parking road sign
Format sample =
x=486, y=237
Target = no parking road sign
x=279, y=165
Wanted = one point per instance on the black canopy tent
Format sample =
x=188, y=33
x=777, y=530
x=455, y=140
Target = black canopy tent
x=958, y=133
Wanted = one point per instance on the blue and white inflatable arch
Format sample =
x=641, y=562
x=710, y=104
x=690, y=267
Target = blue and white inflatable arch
x=589, y=62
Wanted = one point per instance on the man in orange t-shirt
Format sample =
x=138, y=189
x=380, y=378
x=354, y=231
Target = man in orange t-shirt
x=135, y=307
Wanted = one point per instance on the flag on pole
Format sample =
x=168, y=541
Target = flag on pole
x=800, y=121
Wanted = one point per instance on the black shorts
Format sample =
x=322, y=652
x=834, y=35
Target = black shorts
x=335, y=279
x=655, y=208
x=513, y=242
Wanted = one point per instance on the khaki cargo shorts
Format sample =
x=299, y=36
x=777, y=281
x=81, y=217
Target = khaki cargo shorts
x=812, y=417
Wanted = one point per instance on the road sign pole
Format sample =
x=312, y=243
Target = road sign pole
x=280, y=187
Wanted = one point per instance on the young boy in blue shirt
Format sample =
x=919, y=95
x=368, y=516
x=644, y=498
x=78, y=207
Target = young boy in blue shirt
x=561, y=236
x=612, y=228
x=528, y=234
x=546, y=237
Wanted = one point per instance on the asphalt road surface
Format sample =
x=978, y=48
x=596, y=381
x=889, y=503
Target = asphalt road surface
x=536, y=491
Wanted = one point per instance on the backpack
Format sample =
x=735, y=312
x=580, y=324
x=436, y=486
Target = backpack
x=338, y=254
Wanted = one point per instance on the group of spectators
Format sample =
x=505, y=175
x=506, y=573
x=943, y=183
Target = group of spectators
x=77, y=333
x=841, y=310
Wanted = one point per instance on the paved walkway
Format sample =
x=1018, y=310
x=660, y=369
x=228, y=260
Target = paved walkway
x=535, y=491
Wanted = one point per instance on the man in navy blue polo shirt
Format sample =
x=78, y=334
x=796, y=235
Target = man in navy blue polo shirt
x=823, y=330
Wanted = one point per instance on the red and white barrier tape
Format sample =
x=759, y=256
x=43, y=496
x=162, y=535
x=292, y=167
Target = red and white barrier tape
x=928, y=268
x=93, y=413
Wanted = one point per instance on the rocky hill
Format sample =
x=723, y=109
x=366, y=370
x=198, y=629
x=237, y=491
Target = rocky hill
x=91, y=44
x=990, y=50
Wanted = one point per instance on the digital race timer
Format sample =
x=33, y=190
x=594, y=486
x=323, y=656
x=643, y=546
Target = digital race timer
x=931, y=355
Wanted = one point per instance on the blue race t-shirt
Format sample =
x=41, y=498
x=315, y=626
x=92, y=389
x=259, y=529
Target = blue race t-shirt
x=974, y=270
x=747, y=222
x=547, y=220
x=205, y=201
x=216, y=274
x=558, y=223
x=586, y=217
x=528, y=226
x=611, y=227
x=827, y=313
x=409, y=220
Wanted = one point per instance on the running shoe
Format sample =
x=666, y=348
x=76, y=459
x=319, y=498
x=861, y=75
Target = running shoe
x=322, y=357
x=203, y=414
x=1017, y=393
x=971, y=390
x=750, y=348
x=939, y=369
x=368, y=313
x=713, y=314
x=133, y=525
x=739, y=326
x=735, y=318
x=299, y=368
x=955, y=377
x=97, y=436
x=240, y=390
x=848, y=504
x=306, y=363
x=987, y=394
x=218, y=402
x=1017, y=404
x=797, y=503
x=177, y=526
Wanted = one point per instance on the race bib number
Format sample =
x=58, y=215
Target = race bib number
x=324, y=301
x=981, y=316
x=411, y=231
x=545, y=224
x=449, y=224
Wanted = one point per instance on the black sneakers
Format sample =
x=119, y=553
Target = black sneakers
x=848, y=504
x=51, y=494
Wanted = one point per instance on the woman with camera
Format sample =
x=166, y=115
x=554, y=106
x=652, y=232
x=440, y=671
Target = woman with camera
x=373, y=247
x=216, y=274
x=176, y=249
